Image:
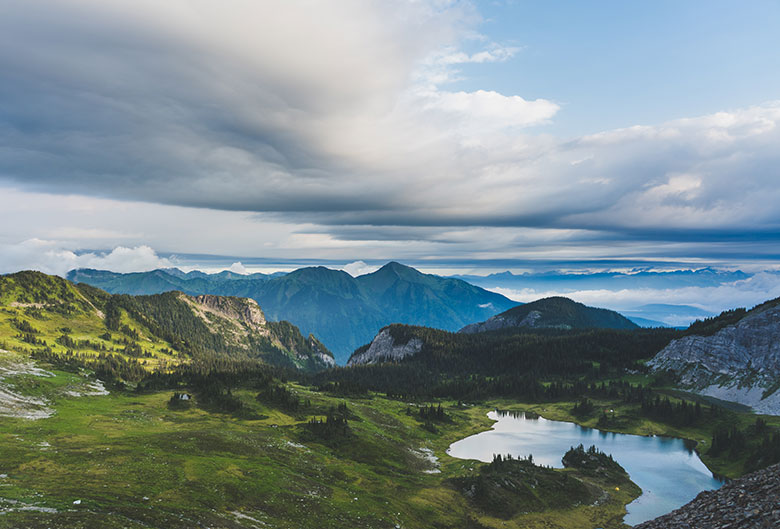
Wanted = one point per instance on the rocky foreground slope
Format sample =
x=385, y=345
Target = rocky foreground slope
x=750, y=502
x=739, y=362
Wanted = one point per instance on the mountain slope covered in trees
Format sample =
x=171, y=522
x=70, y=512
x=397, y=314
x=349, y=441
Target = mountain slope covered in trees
x=555, y=313
x=409, y=360
x=48, y=315
x=343, y=311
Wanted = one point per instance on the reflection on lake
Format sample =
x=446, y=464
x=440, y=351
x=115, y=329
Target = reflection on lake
x=669, y=472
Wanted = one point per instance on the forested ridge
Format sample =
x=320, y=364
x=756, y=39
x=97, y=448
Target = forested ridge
x=47, y=316
x=510, y=362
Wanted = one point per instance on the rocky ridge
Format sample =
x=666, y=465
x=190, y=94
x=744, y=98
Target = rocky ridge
x=239, y=310
x=750, y=502
x=740, y=362
x=383, y=348
x=321, y=353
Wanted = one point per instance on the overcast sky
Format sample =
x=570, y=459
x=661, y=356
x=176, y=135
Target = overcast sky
x=450, y=135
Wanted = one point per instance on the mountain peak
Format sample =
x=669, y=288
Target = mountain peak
x=395, y=266
x=397, y=269
x=553, y=312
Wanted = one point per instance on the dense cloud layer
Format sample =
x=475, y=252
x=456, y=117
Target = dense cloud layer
x=339, y=114
x=338, y=131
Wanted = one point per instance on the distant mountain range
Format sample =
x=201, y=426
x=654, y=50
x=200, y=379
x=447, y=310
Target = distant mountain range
x=552, y=313
x=563, y=282
x=635, y=282
x=51, y=316
x=343, y=311
x=665, y=315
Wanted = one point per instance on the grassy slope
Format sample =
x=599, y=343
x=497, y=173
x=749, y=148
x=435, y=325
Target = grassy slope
x=50, y=304
x=49, y=311
x=133, y=462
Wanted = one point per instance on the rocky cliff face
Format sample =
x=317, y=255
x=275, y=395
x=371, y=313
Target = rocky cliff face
x=384, y=348
x=321, y=354
x=751, y=502
x=241, y=323
x=244, y=310
x=740, y=362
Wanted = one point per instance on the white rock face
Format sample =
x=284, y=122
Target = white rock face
x=384, y=348
x=325, y=359
x=738, y=363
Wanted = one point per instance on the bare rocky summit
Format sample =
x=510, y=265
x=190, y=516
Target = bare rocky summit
x=750, y=502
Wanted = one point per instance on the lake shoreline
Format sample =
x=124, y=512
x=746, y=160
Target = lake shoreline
x=667, y=469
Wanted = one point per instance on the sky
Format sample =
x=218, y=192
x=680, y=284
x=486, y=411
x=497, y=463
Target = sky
x=468, y=137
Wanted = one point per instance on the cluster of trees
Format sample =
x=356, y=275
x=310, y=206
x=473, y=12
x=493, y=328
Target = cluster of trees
x=590, y=460
x=344, y=388
x=709, y=326
x=680, y=413
x=502, y=461
x=282, y=397
x=108, y=367
x=758, y=443
x=335, y=425
x=433, y=413
x=27, y=332
x=65, y=340
x=218, y=396
x=24, y=326
x=583, y=407
x=31, y=339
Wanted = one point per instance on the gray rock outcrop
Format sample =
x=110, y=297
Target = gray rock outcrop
x=384, y=348
x=740, y=362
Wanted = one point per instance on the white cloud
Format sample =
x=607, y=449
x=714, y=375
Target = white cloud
x=359, y=268
x=321, y=115
x=238, y=268
x=51, y=258
x=494, y=53
x=490, y=110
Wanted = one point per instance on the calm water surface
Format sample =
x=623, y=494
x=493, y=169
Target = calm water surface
x=669, y=473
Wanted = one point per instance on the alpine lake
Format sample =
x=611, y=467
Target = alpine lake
x=667, y=469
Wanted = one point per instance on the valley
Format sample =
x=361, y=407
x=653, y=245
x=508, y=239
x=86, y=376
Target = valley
x=169, y=410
